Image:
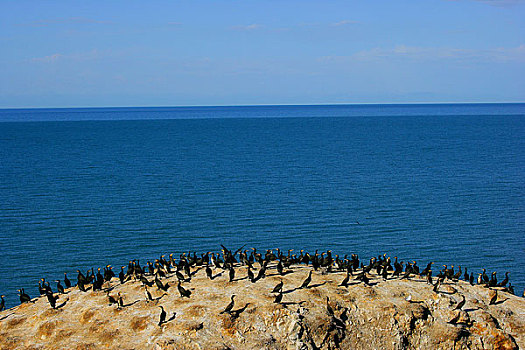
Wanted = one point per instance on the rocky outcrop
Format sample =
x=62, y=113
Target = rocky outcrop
x=387, y=314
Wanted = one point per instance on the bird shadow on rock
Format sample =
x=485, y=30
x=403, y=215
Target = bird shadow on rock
x=62, y=305
x=217, y=275
x=287, y=303
x=130, y=304
x=316, y=285
x=6, y=316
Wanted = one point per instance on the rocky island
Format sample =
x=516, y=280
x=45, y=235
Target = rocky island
x=269, y=301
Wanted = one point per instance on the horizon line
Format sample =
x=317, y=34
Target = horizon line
x=279, y=104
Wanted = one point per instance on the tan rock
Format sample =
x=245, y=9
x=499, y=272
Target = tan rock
x=391, y=314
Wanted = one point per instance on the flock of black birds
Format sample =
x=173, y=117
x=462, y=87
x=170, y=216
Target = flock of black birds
x=356, y=270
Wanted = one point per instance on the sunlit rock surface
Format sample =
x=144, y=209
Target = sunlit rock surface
x=391, y=314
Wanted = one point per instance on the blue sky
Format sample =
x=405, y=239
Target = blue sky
x=174, y=53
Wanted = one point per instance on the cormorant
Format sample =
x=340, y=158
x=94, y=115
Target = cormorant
x=24, y=298
x=250, y=275
x=278, y=298
x=231, y=273
x=280, y=268
x=505, y=280
x=329, y=307
x=183, y=292
x=429, y=277
x=148, y=294
x=209, y=273
x=162, y=316
x=307, y=281
x=229, y=307
x=67, y=282
x=60, y=288
x=460, y=304
x=344, y=282
x=122, y=275
x=494, y=298
x=111, y=299
x=236, y=313
x=51, y=299
x=120, y=301
x=278, y=287
x=2, y=303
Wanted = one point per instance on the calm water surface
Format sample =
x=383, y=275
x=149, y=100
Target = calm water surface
x=424, y=182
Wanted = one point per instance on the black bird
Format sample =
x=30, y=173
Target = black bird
x=231, y=273
x=494, y=298
x=460, y=304
x=229, y=307
x=261, y=273
x=145, y=281
x=329, y=307
x=236, y=313
x=162, y=316
x=344, y=282
x=183, y=292
x=209, y=273
x=60, y=288
x=122, y=275
x=2, y=303
x=280, y=268
x=250, y=275
x=24, y=297
x=161, y=286
x=429, y=277
x=278, y=288
x=505, y=280
x=307, y=281
x=148, y=294
x=120, y=301
x=67, y=282
x=111, y=299
x=278, y=298
x=52, y=299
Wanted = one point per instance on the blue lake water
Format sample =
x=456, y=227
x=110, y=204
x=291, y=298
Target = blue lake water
x=83, y=188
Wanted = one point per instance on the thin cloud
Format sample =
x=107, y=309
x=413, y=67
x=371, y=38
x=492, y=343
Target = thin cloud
x=60, y=21
x=248, y=27
x=443, y=53
x=82, y=56
x=47, y=59
x=502, y=3
x=343, y=23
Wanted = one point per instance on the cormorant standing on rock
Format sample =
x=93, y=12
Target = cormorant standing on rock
x=460, y=304
x=329, y=307
x=24, y=298
x=51, y=299
x=209, y=273
x=505, y=280
x=162, y=316
x=231, y=273
x=122, y=275
x=229, y=307
x=2, y=302
x=111, y=299
x=307, y=281
x=344, y=282
x=429, y=277
x=120, y=301
x=60, y=288
x=148, y=294
x=183, y=292
x=250, y=275
x=278, y=298
x=494, y=298
x=67, y=282
x=278, y=287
